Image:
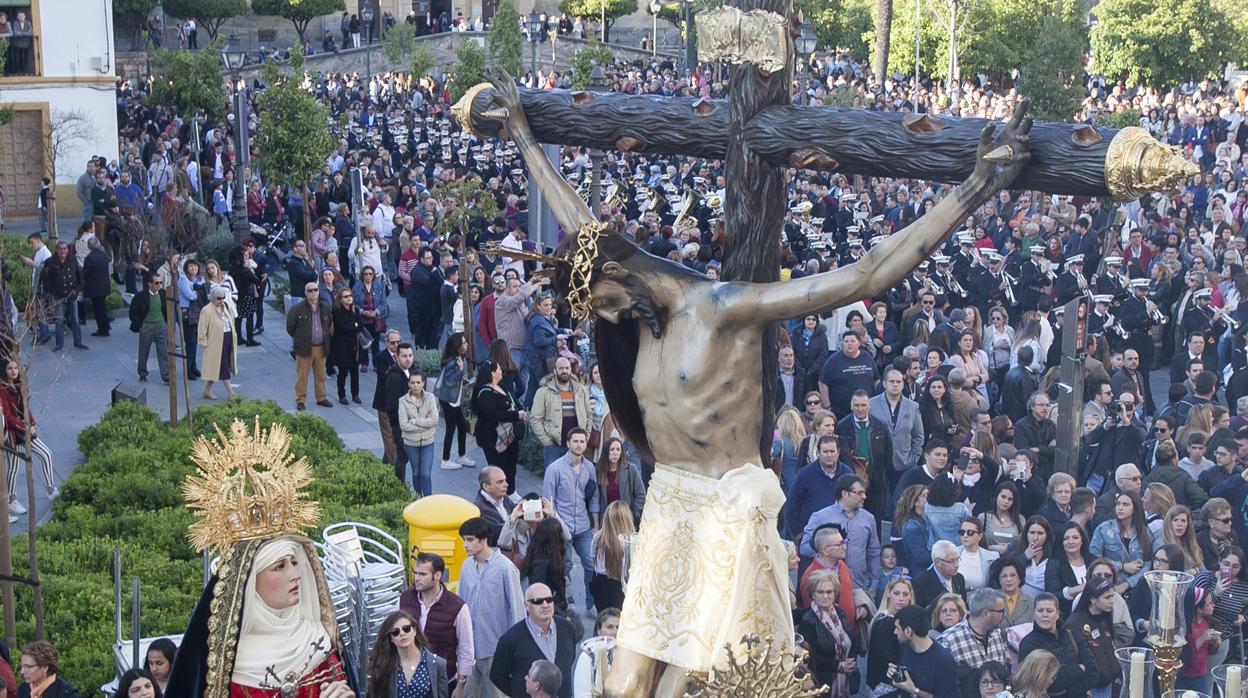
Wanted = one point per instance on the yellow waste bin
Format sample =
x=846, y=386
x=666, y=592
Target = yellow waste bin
x=433, y=527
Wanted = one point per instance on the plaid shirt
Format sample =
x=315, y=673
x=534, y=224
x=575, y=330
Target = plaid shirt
x=969, y=651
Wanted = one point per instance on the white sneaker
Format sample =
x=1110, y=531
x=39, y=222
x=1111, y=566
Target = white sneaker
x=12, y=518
x=15, y=507
x=465, y=461
x=56, y=492
x=451, y=465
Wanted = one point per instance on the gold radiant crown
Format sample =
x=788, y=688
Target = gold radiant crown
x=248, y=486
x=755, y=667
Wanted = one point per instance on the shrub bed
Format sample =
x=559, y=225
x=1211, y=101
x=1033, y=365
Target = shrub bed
x=127, y=495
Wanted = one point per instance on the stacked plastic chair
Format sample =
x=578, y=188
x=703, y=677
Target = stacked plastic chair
x=364, y=570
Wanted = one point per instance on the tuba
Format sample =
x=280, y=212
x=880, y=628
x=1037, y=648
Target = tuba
x=684, y=219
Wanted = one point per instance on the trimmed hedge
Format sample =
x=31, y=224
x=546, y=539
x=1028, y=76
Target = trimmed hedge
x=128, y=495
x=13, y=248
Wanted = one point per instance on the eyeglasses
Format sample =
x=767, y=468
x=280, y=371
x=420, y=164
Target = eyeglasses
x=929, y=302
x=989, y=681
x=311, y=290
x=402, y=630
x=1223, y=520
x=952, y=561
x=542, y=601
x=813, y=402
x=860, y=493
x=968, y=532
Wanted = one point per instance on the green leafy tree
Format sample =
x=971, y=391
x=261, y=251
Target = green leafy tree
x=209, y=14
x=595, y=10
x=192, y=81
x=1159, y=42
x=1120, y=119
x=299, y=12
x=1052, y=71
x=469, y=68
x=505, y=41
x=400, y=42
x=423, y=60
x=292, y=136
x=584, y=60
x=843, y=24
x=134, y=7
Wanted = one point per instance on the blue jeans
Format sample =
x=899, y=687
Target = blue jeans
x=66, y=314
x=1106, y=692
x=550, y=454
x=1203, y=684
x=421, y=458
x=534, y=372
x=581, y=544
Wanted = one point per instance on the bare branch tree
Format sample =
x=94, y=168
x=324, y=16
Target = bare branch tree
x=67, y=128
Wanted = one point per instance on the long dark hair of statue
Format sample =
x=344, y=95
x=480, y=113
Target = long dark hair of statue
x=617, y=344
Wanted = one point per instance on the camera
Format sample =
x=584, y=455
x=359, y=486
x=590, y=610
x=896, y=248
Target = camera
x=532, y=509
x=898, y=674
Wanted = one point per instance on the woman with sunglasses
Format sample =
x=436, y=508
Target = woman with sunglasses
x=974, y=562
x=1140, y=606
x=401, y=664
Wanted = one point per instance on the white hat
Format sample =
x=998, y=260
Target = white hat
x=1075, y=259
x=993, y=256
x=1139, y=283
x=1113, y=261
x=1203, y=293
x=855, y=243
x=1036, y=249
x=940, y=259
x=1059, y=310
x=1103, y=298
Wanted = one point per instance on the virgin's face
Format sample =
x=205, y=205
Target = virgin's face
x=278, y=584
x=141, y=688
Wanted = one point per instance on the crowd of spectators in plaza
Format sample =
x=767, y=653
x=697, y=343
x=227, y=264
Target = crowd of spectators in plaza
x=936, y=526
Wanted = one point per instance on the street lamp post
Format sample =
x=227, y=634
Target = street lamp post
x=239, y=224
x=655, y=8
x=535, y=28
x=597, y=83
x=366, y=14
x=805, y=45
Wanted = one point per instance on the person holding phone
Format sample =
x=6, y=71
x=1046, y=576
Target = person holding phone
x=1230, y=591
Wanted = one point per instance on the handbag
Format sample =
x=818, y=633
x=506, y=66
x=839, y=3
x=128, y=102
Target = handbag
x=506, y=436
x=364, y=339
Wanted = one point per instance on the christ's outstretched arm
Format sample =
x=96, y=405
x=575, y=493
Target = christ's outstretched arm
x=567, y=206
x=1001, y=155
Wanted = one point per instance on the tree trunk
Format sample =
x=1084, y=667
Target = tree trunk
x=883, y=35
x=754, y=209
x=32, y=535
x=1065, y=158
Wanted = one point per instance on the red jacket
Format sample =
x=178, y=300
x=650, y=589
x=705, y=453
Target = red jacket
x=14, y=420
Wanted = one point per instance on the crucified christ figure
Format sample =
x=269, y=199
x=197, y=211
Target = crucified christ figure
x=679, y=356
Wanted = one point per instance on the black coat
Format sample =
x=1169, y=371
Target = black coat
x=344, y=348
x=60, y=688
x=139, y=306
x=396, y=388
x=61, y=281
x=95, y=283
x=1058, y=575
x=809, y=359
x=927, y=587
x=517, y=651
x=1068, y=683
x=824, y=657
x=381, y=365
x=881, y=442
x=1020, y=383
x=492, y=409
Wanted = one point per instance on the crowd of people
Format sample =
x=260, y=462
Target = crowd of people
x=936, y=527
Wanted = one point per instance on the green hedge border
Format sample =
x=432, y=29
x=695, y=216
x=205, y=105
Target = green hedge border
x=128, y=494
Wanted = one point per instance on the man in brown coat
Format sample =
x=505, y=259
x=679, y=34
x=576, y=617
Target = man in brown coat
x=311, y=332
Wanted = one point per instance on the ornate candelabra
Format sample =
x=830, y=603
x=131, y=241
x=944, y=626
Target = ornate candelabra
x=1167, y=624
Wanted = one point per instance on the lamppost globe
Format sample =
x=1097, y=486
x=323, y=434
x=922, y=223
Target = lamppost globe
x=535, y=24
x=367, y=14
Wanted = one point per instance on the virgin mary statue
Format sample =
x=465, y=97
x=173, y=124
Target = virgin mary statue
x=264, y=626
